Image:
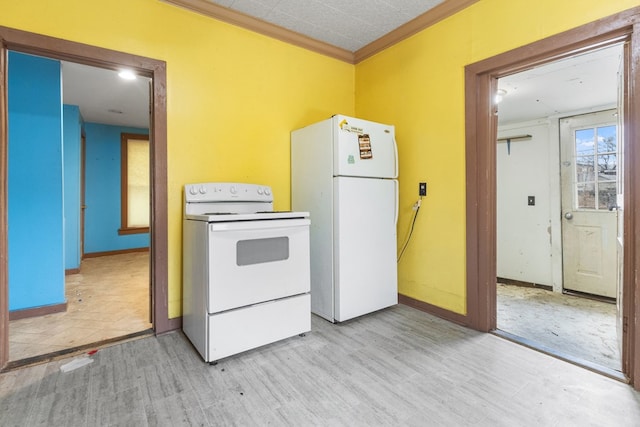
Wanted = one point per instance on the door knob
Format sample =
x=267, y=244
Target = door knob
x=568, y=215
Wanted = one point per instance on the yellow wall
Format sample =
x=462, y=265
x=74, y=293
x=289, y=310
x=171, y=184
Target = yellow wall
x=418, y=85
x=233, y=95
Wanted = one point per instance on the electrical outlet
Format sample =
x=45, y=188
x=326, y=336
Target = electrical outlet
x=531, y=200
x=422, y=189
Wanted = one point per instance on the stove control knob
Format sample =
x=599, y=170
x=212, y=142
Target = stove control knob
x=260, y=191
x=233, y=189
x=267, y=191
x=202, y=190
x=193, y=190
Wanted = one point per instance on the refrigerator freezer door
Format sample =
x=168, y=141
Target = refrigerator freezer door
x=364, y=246
x=364, y=148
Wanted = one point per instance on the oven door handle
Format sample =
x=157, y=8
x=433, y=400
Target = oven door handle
x=258, y=224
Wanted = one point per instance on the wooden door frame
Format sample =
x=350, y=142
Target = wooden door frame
x=481, y=132
x=83, y=182
x=50, y=47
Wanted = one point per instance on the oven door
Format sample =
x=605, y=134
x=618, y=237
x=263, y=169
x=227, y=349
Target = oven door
x=257, y=261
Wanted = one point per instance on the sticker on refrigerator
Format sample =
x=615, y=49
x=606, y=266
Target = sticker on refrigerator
x=365, y=147
x=345, y=126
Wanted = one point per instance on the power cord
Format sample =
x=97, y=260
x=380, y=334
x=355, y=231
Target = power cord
x=416, y=208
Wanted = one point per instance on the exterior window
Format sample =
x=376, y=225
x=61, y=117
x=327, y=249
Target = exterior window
x=135, y=180
x=596, y=167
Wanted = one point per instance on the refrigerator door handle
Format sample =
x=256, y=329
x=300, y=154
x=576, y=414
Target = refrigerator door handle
x=395, y=155
x=397, y=191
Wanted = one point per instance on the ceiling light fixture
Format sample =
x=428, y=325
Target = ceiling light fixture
x=127, y=75
x=500, y=94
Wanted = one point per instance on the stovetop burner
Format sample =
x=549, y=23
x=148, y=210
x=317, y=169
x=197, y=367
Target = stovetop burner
x=247, y=213
x=273, y=212
x=246, y=216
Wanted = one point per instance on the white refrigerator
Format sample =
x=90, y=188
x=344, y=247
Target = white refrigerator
x=343, y=171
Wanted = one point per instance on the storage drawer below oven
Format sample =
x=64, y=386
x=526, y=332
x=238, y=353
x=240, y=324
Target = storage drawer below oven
x=235, y=331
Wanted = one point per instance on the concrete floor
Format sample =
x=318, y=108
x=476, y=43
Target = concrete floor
x=576, y=326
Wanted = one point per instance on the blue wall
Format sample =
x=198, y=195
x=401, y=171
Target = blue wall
x=44, y=158
x=35, y=208
x=102, y=192
x=72, y=134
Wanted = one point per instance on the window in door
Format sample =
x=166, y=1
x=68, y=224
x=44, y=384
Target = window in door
x=596, y=167
x=134, y=183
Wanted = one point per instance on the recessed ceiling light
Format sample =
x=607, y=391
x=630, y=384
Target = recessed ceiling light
x=127, y=75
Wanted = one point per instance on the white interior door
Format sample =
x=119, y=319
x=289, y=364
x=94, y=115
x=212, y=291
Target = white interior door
x=589, y=168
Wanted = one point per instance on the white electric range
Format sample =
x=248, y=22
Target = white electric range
x=246, y=278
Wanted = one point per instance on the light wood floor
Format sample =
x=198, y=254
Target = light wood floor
x=396, y=367
x=109, y=298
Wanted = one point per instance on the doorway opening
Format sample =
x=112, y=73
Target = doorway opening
x=481, y=85
x=34, y=44
x=556, y=181
x=104, y=289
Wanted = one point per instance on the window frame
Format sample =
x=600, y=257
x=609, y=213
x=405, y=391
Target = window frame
x=596, y=154
x=124, y=184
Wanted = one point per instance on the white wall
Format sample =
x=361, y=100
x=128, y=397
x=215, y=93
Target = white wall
x=528, y=237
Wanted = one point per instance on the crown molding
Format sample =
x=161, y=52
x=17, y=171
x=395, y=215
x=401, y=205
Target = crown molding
x=259, y=26
x=430, y=17
x=427, y=19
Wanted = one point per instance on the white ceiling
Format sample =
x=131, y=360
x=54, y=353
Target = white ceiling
x=104, y=97
x=576, y=84
x=349, y=24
